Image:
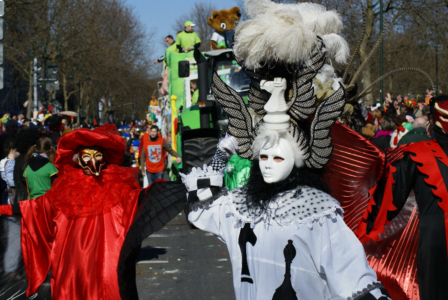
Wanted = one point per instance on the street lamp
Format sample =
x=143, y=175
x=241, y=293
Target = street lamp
x=45, y=56
x=80, y=110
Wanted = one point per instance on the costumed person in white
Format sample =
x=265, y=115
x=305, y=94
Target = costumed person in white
x=285, y=234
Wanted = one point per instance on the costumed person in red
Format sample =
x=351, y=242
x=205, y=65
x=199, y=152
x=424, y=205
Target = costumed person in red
x=423, y=167
x=87, y=229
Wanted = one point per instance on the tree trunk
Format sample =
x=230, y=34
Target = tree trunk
x=30, y=93
x=64, y=91
x=363, y=51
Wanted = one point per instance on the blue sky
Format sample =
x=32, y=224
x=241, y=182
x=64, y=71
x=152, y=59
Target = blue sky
x=162, y=14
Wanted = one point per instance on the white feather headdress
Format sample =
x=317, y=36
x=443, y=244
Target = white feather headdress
x=287, y=33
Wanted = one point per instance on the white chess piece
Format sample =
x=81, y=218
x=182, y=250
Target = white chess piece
x=276, y=107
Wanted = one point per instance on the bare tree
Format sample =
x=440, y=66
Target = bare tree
x=100, y=40
x=198, y=15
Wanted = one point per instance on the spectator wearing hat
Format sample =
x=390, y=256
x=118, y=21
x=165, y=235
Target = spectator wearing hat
x=417, y=134
x=188, y=40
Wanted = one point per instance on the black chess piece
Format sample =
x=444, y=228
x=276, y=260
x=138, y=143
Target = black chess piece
x=247, y=235
x=286, y=291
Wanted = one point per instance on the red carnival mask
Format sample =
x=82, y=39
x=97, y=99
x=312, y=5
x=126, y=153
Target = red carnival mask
x=91, y=161
x=441, y=115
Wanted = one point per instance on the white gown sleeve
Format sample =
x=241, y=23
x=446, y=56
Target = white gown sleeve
x=206, y=196
x=209, y=219
x=344, y=264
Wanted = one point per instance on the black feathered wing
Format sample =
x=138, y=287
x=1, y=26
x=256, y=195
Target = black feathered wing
x=320, y=140
x=158, y=204
x=240, y=121
x=302, y=102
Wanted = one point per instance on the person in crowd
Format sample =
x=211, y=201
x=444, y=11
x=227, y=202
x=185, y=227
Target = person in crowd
x=172, y=48
x=57, y=126
x=153, y=155
x=7, y=169
x=417, y=134
x=41, y=171
x=376, y=114
x=4, y=137
x=382, y=137
x=12, y=127
x=6, y=117
x=194, y=91
x=188, y=40
x=144, y=135
x=21, y=119
x=24, y=140
x=64, y=123
x=368, y=131
x=10, y=225
x=396, y=106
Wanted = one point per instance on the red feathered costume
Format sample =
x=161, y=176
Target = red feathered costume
x=77, y=229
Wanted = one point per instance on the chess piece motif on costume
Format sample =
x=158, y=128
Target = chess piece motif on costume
x=247, y=235
x=286, y=291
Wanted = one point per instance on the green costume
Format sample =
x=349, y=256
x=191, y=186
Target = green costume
x=187, y=39
x=414, y=136
x=239, y=174
x=172, y=48
x=195, y=97
x=39, y=181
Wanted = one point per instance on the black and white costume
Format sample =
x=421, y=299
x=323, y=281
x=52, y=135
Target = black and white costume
x=286, y=239
x=298, y=249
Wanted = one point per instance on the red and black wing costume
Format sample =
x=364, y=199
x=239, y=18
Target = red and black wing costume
x=424, y=168
x=88, y=229
x=357, y=171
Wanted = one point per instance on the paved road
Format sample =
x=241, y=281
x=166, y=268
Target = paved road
x=182, y=263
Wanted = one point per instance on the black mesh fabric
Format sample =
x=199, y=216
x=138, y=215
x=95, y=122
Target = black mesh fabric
x=158, y=204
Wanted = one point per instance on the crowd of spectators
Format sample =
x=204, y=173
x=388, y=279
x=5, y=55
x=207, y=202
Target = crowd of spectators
x=400, y=121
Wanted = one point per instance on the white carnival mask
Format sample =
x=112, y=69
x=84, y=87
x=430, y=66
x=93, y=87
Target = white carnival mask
x=276, y=163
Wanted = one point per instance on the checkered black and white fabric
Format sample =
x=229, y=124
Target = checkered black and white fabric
x=203, y=185
x=219, y=161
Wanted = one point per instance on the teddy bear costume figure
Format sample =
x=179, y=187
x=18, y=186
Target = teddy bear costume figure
x=286, y=235
x=220, y=21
